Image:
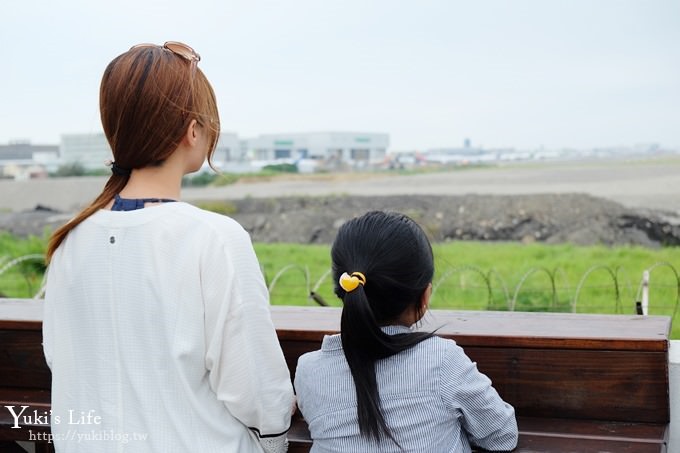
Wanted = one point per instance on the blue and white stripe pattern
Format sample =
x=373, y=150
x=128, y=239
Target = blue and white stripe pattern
x=432, y=395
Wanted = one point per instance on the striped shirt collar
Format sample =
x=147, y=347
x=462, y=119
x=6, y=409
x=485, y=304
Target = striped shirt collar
x=333, y=342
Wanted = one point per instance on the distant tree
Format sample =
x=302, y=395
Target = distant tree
x=199, y=180
x=70, y=169
x=281, y=168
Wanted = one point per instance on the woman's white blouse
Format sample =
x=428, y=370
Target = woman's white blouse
x=159, y=337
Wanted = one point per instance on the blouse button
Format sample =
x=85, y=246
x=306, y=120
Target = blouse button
x=112, y=239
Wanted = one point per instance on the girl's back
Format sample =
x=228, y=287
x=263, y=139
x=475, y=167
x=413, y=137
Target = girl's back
x=432, y=397
x=378, y=386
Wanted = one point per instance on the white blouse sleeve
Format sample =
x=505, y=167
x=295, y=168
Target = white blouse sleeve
x=48, y=323
x=247, y=370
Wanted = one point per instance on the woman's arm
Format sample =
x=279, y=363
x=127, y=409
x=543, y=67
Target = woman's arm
x=247, y=369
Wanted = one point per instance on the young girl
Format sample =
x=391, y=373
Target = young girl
x=378, y=385
x=156, y=325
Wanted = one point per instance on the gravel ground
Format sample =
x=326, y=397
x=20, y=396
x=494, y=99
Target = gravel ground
x=551, y=218
x=615, y=202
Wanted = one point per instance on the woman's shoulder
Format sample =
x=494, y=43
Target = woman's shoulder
x=209, y=220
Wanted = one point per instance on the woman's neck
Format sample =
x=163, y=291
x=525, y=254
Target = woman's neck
x=154, y=182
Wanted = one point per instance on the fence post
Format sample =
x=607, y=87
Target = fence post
x=645, y=293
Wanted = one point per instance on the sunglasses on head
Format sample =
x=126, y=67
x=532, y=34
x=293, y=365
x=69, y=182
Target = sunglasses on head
x=178, y=48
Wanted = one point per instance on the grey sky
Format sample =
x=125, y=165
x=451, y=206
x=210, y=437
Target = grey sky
x=573, y=73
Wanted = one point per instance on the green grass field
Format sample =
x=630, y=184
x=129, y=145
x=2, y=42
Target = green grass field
x=24, y=278
x=469, y=276
x=499, y=276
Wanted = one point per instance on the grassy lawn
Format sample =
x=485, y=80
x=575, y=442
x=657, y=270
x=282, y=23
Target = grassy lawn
x=500, y=276
x=24, y=278
x=469, y=276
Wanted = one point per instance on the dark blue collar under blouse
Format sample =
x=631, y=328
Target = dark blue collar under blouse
x=131, y=204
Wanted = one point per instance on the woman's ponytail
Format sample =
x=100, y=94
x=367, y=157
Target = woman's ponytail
x=114, y=185
x=148, y=96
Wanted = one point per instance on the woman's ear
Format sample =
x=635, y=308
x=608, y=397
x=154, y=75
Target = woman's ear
x=191, y=135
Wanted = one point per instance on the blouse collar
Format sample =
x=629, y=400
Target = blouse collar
x=333, y=342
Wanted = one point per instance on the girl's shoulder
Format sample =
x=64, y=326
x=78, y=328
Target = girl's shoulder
x=307, y=366
x=439, y=350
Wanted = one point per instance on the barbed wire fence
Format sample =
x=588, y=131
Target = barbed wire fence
x=600, y=289
x=293, y=284
x=7, y=264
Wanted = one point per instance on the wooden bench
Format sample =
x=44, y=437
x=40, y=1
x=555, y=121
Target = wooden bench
x=579, y=383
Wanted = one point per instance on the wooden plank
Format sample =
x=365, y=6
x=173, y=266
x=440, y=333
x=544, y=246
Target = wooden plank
x=617, y=385
x=22, y=362
x=594, y=429
x=11, y=447
x=553, y=435
x=40, y=398
x=510, y=329
x=579, y=366
x=35, y=430
x=603, y=385
x=21, y=314
x=531, y=444
x=480, y=328
x=587, y=384
x=612, y=384
x=555, y=330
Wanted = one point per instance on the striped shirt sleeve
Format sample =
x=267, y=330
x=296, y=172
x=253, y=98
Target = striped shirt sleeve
x=488, y=420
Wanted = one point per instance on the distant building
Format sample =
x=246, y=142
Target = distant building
x=330, y=149
x=310, y=151
x=461, y=156
x=92, y=151
x=228, y=149
x=21, y=160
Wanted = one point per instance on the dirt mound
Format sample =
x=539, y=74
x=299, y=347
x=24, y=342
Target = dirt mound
x=551, y=218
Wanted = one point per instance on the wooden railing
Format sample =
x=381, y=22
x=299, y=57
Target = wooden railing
x=579, y=383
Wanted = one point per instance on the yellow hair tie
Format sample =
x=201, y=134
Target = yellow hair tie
x=350, y=282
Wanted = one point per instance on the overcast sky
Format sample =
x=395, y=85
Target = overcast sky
x=523, y=74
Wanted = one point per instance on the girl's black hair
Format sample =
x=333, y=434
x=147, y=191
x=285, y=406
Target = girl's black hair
x=395, y=256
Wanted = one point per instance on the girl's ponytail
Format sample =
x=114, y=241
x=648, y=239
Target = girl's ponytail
x=364, y=343
x=361, y=339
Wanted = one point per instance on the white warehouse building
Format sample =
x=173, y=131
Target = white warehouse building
x=228, y=149
x=89, y=150
x=315, y=150
x=333, y=149
x=92, y=151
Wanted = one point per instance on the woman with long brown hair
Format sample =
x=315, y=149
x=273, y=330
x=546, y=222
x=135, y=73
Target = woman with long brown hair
x=156, y=326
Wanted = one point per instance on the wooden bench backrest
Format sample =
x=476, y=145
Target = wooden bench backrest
x=601, y=367
x=22, y=363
